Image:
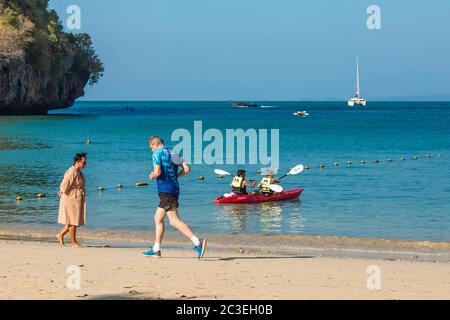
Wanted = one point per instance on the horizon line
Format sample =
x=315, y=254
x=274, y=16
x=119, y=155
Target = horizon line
x=300, y=100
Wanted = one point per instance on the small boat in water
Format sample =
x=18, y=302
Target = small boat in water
x=243, y=105
x=301, y=114
x=258, y=198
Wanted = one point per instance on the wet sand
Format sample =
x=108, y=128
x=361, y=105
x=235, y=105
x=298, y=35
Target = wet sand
x=235, y=267
x=336, y=247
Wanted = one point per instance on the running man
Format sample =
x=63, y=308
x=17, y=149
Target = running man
x=166, y=173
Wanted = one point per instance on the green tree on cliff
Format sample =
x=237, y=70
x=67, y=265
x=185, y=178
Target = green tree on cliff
x=34, y=34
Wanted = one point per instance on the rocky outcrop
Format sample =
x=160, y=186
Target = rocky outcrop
x=23, y=91
x=41, y=66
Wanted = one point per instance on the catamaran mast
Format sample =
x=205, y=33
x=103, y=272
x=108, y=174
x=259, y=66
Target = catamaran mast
x=357, y=100
x=357, y=78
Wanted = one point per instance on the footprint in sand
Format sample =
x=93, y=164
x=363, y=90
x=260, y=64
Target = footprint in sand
x=134, y=292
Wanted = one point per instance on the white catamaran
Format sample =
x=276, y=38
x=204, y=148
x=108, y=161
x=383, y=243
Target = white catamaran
x=357, y=100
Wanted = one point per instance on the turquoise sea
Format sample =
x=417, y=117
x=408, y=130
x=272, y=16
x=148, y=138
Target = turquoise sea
x=400, y=199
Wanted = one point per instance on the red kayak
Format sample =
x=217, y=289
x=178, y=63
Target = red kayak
x=256, y=198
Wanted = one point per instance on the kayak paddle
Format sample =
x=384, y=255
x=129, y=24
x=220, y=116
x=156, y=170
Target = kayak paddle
x=222, y=172
x=294, y=171
x=276, y=188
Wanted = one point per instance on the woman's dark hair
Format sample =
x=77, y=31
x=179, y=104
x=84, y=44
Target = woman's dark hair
x=240, y=173
x=79, y=156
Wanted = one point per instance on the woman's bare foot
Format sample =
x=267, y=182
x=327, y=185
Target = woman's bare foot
x=76, y=245
x=60, y=239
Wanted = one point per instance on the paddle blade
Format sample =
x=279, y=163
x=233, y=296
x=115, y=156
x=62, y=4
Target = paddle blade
x=276, y=188
x=222, y=172
x=296, y=170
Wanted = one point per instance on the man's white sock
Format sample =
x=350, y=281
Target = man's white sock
x=195, y=241
x=156, y=247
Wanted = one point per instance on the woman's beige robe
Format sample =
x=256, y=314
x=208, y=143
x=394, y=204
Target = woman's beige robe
x=72, y=207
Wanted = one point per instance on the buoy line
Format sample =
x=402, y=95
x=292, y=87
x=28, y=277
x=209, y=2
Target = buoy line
x=349, y=163
x=322, y=166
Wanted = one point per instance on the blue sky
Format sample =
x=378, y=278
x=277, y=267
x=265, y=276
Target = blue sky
x=265, y=49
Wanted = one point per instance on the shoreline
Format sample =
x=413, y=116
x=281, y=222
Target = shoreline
x=317, y=246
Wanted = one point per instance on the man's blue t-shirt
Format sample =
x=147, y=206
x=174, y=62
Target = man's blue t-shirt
x=167, y=182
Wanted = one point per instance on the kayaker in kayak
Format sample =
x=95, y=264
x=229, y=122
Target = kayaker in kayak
x=268, y=180
x=239, y=184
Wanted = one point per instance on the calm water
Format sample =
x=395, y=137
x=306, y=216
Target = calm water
x=402, y=199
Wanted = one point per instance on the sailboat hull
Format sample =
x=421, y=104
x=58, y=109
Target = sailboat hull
x=359, y=102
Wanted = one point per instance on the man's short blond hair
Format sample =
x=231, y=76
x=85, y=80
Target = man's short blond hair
x=156, y=139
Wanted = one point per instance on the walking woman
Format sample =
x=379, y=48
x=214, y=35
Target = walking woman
x=72, y=208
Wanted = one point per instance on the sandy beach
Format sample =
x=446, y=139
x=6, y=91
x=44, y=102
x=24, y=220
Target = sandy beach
x=305, y=145
x=38, y=269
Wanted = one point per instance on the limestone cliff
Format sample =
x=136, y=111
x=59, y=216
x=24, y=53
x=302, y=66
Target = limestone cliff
x=41, y=66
